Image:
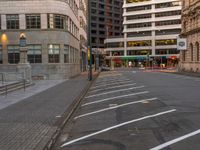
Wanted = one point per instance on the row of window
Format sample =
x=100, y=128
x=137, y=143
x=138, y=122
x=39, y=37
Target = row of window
x=33, y=21
x=142, y=43
x=157, y=32
x=160, y=14
x=74, y=6
x=158, y=23
x=166, y=51
x=112, y=7
x=71, y=54
x=145, y=52
x=194, y=52
x=82, y=7
x=191, y=23
x=148, y=7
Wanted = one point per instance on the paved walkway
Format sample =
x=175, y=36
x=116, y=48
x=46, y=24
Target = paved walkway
x=29, y=119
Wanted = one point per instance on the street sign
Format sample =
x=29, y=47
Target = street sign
x=181, y=43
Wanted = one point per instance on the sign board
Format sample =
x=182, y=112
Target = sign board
x=22, y=41
x=181, y=43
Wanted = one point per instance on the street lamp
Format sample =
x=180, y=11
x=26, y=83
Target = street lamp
x=4, y=39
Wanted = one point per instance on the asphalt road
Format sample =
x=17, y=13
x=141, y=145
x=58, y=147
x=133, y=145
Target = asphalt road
x=136, y=110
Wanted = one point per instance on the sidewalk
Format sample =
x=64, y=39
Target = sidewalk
x=29, y=124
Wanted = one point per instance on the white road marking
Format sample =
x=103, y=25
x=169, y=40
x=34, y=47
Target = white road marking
x=116, y=126
x=102, y=76
x=113, y=87
x=133, y=71
x=110, y=82
x=115, y=107
x=128, y=81
x=115, y=91
x=111, y=98
x=175, y=140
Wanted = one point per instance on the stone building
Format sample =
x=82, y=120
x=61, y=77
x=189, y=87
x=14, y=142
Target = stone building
x=55, y=36
x=190, y=59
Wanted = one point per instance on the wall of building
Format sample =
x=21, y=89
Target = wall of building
x=190, y=59
x=43, y=36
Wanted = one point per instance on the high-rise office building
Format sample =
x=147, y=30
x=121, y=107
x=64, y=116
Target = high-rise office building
x=105, y=21
x=150, y=32
x=190, y=59
x=55, y=32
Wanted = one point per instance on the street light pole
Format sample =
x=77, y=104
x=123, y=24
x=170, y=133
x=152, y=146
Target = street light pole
x=89, y=42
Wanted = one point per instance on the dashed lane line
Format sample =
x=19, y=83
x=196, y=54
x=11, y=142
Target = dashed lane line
x=176, y=140
x=113, y=87
x=115, y=107
x=116, y=97
x=117, y=126
x=115, y=91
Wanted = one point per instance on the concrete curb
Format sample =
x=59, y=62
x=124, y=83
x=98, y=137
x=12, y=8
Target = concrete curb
x=186, y=74
x=68, y=114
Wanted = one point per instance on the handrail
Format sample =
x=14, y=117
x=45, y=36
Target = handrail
x=5, y=77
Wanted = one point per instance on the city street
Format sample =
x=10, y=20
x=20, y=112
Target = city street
x=136, y=110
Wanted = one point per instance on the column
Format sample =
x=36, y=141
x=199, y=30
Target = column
x=4, y=40
x=22, y=20
x=3, y=22
x=44, y=21
x=153, y=32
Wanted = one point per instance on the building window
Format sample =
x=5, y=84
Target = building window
x=138, y=43
x=33, y=22
x=57, y=21
x=54, y=53
x=183, y=55
x=13, y=54
x=191, y=51
x=166, y=42
x=197, y=50
x=72, y=58
x=66, y=54
x=12, y=21
x=35, y=53
x=139, y=25
x=0, y=21
x=139, y=52
x=169, y=22
x=136, y=1
x=138, y=8
x=1, y=55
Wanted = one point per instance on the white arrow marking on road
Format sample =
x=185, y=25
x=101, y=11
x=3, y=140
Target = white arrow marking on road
x=175, y=140
x=113, y=87
x=115, y=107
x=116, y=126
x=111, y=98
x=138, y=87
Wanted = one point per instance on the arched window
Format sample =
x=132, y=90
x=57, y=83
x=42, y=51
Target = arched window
x=197, y=50
x=183, y=55
x=191, y=51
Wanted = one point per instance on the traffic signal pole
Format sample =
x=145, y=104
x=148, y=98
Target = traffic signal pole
x=89, y=42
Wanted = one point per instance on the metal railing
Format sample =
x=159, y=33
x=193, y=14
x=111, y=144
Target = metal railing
x=10, y=80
